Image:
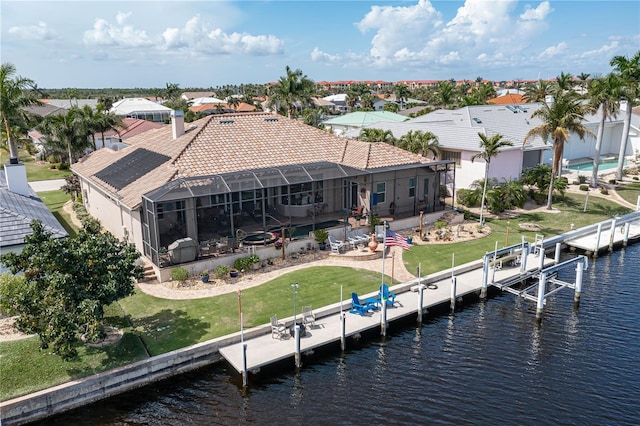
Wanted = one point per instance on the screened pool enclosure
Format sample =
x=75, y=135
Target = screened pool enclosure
x=226, y=211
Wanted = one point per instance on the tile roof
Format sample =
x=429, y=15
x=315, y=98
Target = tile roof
x=132, y=127
x=16, y=213
x=236, y=142
x=363, y=118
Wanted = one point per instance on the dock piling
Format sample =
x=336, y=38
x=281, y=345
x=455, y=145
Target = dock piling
x=613, y=233
x=383, y=316
x=625, y=240
x=541, y=258
x=542, y=284
x=453, y=294
x=296, y=334
x=245, y=373
x=343, y=334
x=420, y=300
x=578, y=289
x=598, y=233
x=556, y=258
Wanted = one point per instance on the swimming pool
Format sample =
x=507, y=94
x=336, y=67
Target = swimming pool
x=588, y=167
x=302, y=231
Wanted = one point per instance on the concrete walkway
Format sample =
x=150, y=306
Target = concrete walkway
x=47, y=185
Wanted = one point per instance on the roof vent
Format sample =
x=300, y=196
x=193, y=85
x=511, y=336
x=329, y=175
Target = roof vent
x=477, y=120
x=225, y=121
x=271, y=119
x=512, y=109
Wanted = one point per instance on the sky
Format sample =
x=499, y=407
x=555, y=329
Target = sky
x=148, y=44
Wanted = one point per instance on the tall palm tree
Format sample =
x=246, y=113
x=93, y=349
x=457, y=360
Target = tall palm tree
x=490, y=148
x=564, y=82
x=604, y=93
x=559, y=118
x=420, y=143
x=445, y=94
x=65, y=131
x=628, y=69
x=292, y=90
x=402, y=93
x=105, y=122
x=15, y=94
x=584, y=77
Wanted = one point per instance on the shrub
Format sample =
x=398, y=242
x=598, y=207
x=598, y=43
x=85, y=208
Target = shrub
x=575, y=182
x=582, y=179
x=440, y=224
x=612, y=181
x=584, y=187
x=243, y=263
x=221, y=271
x=320, y=235
x=179, y=274
x=468, y=197
x=204, y=273
x=604, y=191
x=635, y=178
x=253, y=258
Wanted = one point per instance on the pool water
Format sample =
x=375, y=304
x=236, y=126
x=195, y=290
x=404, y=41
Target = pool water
x=302, y=231
x=588, y=167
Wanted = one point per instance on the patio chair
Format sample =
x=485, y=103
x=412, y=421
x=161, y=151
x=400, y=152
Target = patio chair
x=364, y=237
x=308, y=317
x=353, y=240
x=336, y=245
x=361, y=308
x=278, y=329
x=386, y=295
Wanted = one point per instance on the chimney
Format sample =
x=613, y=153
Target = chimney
x=177, y=123
x=16, y=176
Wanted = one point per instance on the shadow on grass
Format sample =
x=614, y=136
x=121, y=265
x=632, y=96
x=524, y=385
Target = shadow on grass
x=71, y=230
x=168, y=330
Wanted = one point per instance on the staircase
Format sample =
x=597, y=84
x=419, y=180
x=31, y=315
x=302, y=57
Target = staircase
x=149, y=274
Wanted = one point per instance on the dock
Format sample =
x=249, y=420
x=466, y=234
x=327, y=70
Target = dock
x=265, y=350
x=606, y=235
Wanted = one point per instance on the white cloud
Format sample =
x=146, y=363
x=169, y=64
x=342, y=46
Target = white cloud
x=105, y=34
x=608, y=50
x=540, y=13
x=553, y=51
x=33, y=32
x=121, y=17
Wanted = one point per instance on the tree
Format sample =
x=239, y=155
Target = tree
x=536, y=92
x=402, y=92
x=369, y=134
x=105, y=122
x=420, y=143
x=72, y=186
x=66, y=131
x=604, y=94
x=628, y=69
x=490, y=148
x=292, y=90
x=16, y=93
x=69, y=281
x=559, y=118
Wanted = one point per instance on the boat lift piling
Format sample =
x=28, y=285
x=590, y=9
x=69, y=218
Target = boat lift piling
x=556, y=258
x=549, y=284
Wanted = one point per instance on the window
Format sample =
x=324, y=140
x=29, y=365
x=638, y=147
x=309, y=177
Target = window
x=412, y=187
x=381, y=192
x=425, y=189
x=451, y=155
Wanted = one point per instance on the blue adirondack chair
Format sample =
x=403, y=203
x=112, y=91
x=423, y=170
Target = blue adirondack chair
x=361, y=308
x=387, y=295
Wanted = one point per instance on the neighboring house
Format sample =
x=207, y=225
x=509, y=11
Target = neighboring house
x=507, y=99
x=205, y=101
x=221, y=108
x=320, y=102
x=359, y=119
x=340, y=102
x=141, y=108
x=457, y=132
x=68, y=103
x=19, y=206
x=229, y=176
x=189, y=96
x=117, y=139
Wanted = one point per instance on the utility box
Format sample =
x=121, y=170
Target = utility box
x=183, y=250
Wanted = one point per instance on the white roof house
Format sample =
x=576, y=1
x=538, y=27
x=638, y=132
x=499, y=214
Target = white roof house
x=141, y=108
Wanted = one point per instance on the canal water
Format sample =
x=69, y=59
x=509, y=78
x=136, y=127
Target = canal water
x=488, y=364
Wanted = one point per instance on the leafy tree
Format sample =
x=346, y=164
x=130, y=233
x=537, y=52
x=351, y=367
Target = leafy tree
x=105, y=122
x=559, y=118
x=66, y=131
x=445, y=94
x=72, y=186
x=490, y=148
x=68, y=283
x=604, y=94
x=402, y=93
x=564, y=82
x=628, y=69
x=391, y=107
x=15, y=94
x=536, y=92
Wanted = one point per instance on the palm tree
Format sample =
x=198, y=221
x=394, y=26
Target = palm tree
x=628, y=69
x=559, y=118
x=105, y=122
x=402, y=93
x=490, y=148
x=536, y=92
x=420, y=143
x=65, y=131
x=15, y=94
x=603, y=96
x=292, y=89
x=583, y=77
x=445, y=94
x=369, y=134
x=564, y=82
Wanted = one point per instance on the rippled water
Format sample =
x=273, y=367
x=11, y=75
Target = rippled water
x=490, y=363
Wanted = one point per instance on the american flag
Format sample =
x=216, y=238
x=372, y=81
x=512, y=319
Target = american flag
x=395, y=239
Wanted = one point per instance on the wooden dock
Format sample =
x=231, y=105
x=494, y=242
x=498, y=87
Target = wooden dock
x=264, y=350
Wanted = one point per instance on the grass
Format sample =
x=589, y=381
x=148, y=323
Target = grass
x=164, y=325
x=35, y=170
x=629, y=191
x=55, y=200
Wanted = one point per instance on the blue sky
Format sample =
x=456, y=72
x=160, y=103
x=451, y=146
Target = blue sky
x=97, y=44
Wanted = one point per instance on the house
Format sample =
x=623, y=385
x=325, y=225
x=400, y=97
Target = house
x=245, y=178
x=457, y=132
x=117, y=139
x=141, y=108
x=359, y=119
x=19, y=206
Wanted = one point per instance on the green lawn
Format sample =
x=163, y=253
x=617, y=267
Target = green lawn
x=165, y=325
x=35, y=170
x=55, y=200
x=629, y=191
